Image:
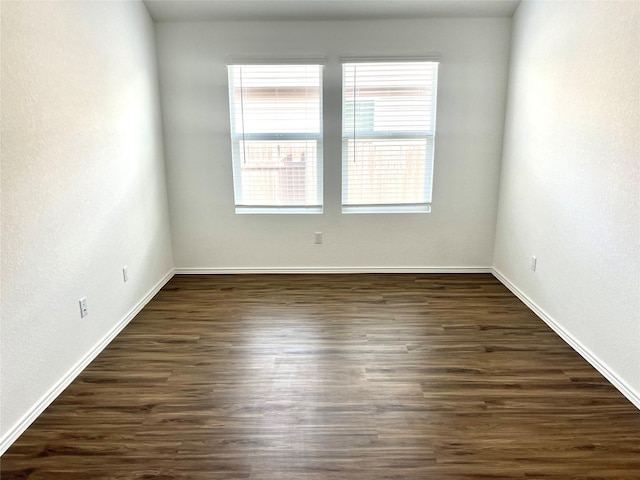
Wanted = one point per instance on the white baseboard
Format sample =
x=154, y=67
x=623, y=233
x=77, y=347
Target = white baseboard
x=302, y=270
x=46, y=400
x=588, y=355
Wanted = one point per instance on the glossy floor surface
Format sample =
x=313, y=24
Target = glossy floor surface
x=323, y=377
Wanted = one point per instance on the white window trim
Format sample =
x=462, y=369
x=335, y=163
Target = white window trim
x=430, y=136
x=236, y=138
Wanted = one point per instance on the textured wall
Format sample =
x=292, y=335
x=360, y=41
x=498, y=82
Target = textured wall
x=570, y=188
x=460, y=230
x=83, y=185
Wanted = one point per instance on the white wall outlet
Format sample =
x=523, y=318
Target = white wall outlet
x=534, y=262
x=83, y=307
x=125, y=273
x=318, y=237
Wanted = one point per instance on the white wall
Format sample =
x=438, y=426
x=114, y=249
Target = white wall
x=83, y=185
x=460, y=230
x=570, y=188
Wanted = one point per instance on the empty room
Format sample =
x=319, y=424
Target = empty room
x=320, y=239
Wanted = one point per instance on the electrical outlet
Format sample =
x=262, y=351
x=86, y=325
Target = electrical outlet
x=534, y=262
x=83, y=307
x=125, y=273
x=318, y=238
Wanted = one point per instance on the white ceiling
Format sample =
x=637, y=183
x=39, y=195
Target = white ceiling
x=190, y=10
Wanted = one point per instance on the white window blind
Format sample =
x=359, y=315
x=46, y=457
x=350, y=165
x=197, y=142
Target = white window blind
x=388, y=130
x=276, y=133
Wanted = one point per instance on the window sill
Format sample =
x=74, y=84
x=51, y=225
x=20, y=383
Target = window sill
x=386, y=208
x=270, y=210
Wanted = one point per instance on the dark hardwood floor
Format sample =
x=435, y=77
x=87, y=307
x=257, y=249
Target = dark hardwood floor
x=323, y=377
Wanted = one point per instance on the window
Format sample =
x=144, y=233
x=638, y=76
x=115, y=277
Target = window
x=388, y=129
x=276, y=133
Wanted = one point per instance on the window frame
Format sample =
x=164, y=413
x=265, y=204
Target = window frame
x=238, y=137
x=350, y=134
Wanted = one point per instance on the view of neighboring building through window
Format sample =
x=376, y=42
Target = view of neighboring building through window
x=276, y=130
x=388, y=129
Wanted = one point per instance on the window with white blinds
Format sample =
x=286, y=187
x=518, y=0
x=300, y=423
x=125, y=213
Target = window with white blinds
x=276, y=133
x=388, y=131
